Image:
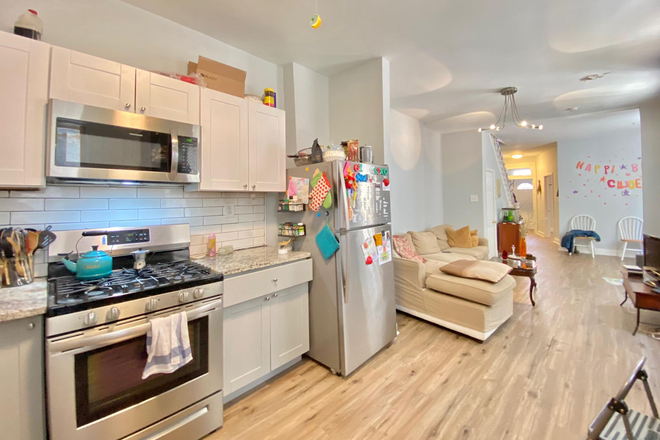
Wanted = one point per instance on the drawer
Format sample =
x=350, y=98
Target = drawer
x=243, y=288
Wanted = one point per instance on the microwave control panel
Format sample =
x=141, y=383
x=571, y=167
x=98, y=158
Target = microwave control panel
x=188, y=155
x=128, y=237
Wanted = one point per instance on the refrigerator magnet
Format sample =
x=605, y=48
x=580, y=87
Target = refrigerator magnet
x=386, y=184
x=378, y=238
x=369, y=260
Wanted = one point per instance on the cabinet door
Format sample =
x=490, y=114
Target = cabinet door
x=21, y=363
x=224, y=142
x=246, y=343
x=267, y=148
x=167, y=98
x=289, y=324
x=24, y=94
x=82, y=78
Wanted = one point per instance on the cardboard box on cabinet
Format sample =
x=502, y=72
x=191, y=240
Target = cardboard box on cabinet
x=220, y=77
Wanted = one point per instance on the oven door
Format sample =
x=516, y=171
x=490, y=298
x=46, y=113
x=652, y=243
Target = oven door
x=92, y=143
x=94, y=378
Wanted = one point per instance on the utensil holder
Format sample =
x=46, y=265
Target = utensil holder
x=16, y=272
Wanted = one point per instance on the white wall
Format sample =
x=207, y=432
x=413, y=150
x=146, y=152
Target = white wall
x=308, y=111
x=462, y=176
x=650, y=134
x=586, y=189
x=360, y=106
x=546, y=165
x=120, y=32
x=415, y=164
x=490, y=162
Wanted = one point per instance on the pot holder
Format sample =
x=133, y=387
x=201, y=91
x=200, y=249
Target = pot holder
x=319, y=193
x=327, y=242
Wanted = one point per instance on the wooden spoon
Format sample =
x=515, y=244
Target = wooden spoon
x=32, y=243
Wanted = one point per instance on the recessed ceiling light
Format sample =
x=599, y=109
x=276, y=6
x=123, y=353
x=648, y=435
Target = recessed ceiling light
x=593, y=77
x=517, y=156
x=571, y=109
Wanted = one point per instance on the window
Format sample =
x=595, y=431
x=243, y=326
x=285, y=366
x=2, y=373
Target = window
x=520, y=172
x=525, y=186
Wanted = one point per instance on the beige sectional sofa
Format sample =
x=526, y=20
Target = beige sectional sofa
x=471, y=307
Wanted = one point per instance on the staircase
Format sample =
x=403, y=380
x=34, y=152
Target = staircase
x=506, y=183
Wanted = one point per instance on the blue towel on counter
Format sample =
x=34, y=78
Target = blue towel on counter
x=568, y=240
x=168, y=345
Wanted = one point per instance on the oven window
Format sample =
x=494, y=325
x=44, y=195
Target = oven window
x=109, y=379
x=83, y=144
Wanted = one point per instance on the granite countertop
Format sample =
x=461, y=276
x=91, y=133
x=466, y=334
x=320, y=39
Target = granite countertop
x=246, y=260
x=24, y=301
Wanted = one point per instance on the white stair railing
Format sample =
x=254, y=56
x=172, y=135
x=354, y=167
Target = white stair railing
x=506, y=183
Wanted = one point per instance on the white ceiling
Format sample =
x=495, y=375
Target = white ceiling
x=449, y=58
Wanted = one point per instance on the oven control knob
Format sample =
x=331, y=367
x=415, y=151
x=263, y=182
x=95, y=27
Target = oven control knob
x=90, y=319
x=184, y=297
x=198, y=293
x=113, y=314
x=152, y=305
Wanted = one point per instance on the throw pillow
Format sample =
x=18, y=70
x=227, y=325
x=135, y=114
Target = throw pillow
x=405, y=249
x=440, y=232
x=478, y=270
x=474, y=238
x=459, y=238
x=425, y=242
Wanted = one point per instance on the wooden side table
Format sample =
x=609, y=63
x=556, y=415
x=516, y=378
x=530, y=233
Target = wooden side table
x=641, y=295
x=508, y=234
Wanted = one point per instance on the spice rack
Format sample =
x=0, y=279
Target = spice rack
x=292, y=230
x=289, y=206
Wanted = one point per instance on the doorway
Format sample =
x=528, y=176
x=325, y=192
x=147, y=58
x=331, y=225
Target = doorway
x=490, y=221
x=549, y=198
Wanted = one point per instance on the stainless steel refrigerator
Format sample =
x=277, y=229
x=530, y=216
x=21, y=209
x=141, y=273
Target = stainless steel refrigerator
x=352, y=304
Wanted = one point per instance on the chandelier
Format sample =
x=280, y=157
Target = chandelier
x=510, y=104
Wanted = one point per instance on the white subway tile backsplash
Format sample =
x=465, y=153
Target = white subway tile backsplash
x=239, y=244
x=261, y=241
x=233, y=227
x=134, y=203
x=74, y=204
x=134, y=223
x=196, y=240
x=252, y=234
x=219, y=220
x=252, y=201
x=192, y=221
x=199, y=249
x=181, y=203
x=73, y=226
x=205, y=230
x=200, y=212
x=4, y=218
x=160, y=193
x=202, y=194
x=21, y=204
x=258, y=209
x=91, y=216
x=4, y=193
x=219, y=202
x=50, y=192
x=95, y=192
x=250, y=218
x=243, y=210
x=160, y=213
x=45, y=217
x=258, y=225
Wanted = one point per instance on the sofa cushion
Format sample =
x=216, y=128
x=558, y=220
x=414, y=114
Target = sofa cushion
x=479, y=252
x=425, y=242
x=440, y=232
x=459, y=238
x=472, y=290
x=474, y=238
x=489, y=271
x=405, y=249
x=447, y=257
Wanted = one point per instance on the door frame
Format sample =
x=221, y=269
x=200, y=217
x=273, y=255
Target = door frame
x=549, y=205
x=490, y=222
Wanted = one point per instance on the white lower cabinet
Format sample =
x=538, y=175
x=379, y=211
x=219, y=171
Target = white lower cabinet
x=263, y=334
x=22, y=367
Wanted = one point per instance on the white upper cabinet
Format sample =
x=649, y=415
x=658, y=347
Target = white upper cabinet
x=224, y=142
x=267, y=145
x=167, y=98
x=85, y=79
x=24, y=94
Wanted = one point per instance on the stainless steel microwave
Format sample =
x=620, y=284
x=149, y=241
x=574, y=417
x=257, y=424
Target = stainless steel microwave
x=92, y=144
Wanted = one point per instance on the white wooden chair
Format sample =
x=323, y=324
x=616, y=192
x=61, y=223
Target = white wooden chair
x=630, y=231
x=585, y=223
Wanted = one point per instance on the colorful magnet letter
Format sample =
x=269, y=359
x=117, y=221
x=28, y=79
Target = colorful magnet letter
x=385, y=172
x=356, y=167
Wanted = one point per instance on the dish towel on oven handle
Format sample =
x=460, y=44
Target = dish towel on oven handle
x=168, y=345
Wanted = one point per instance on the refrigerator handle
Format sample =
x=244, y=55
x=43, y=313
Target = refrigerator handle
x=343, y=199
x=345, y=266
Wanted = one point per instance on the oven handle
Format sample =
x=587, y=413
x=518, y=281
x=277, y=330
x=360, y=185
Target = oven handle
x=89, y=342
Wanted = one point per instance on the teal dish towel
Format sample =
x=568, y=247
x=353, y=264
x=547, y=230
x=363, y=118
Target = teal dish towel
x=327, y=242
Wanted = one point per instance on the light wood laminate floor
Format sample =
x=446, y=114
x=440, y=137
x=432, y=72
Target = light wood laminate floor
x=543, y=375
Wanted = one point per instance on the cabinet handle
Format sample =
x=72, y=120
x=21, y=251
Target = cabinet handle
x=127, y=105
x=267, y=298
x=245, y=186
x=143, y=109
x=31, y=325
x=254, y=187
x=274, y=280
x=275, y=296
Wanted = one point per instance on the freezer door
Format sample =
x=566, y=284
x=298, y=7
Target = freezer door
x=366, y=301
x=370, y=204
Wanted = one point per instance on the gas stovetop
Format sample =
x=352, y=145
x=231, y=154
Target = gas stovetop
x=66, y=294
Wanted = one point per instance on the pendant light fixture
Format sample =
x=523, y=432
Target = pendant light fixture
x=510, y=104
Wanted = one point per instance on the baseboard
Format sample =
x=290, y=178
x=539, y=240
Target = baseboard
x=599, y=251
x=540, y=233
x=556, y=241
x=450, y=325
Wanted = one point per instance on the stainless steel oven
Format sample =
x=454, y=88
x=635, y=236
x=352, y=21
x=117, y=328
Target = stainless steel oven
x=87, y=143
x=95, y=389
